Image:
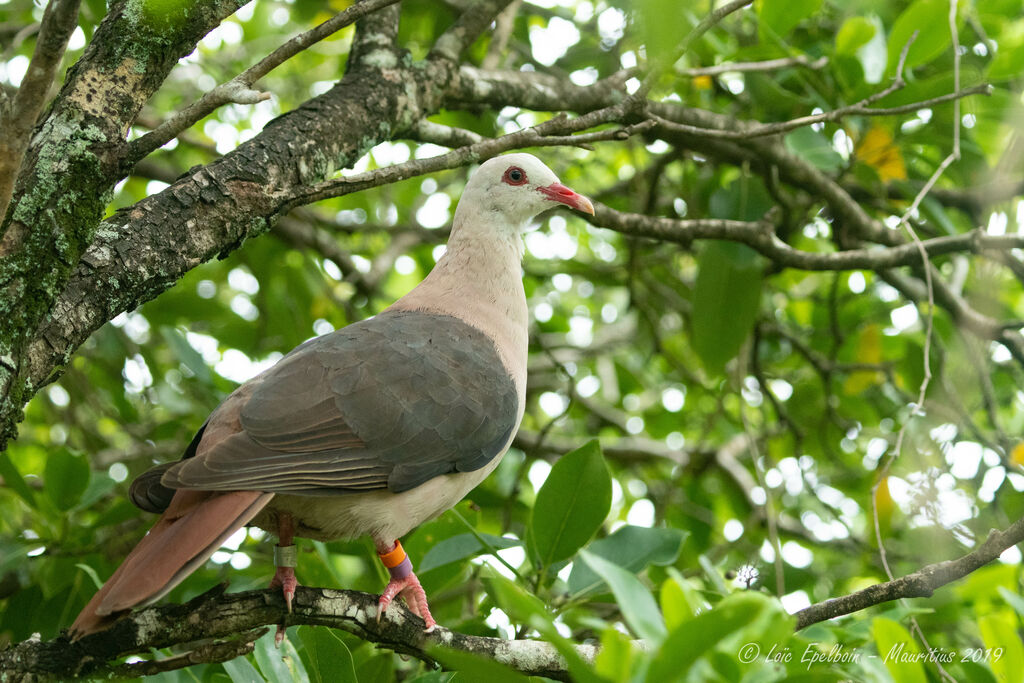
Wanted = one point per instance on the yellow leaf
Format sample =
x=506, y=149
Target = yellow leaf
x=884, y=504
x=702, y=82
x=1017, y=454
x=878, y=150
x=869, y=350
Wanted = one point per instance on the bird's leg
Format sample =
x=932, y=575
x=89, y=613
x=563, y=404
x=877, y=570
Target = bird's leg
x=403, y=582
x=285, y=561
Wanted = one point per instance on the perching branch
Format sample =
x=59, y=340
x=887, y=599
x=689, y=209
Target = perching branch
x=919, y=584
x=232, y=620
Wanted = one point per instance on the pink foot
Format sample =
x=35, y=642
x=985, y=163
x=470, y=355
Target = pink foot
x=411, y=590
x=284, y=578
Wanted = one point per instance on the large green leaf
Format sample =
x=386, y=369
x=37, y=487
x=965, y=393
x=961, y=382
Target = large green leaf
x=328, y=659
x=752, y=619
x=471, y=668
x=930, y=20
x=899, y=650
x=725, y=301
x=854, y=33
x=636, y=603
x=67, y=478
x=999, y=633
x=13, y=479
x=781, y=16
x=461, y=546
x=241, y=670
x=630, y=547
x=571, y=505
x=812, y=146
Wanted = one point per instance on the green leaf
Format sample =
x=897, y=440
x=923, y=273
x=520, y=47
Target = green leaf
x=781, y=16
x=662, y=23
x=66, y=477
x=527, y=609
x=755, y=617
x=897, y=648
x=930, y=18
x=812, y=146
x=630, y=547
x=278, y=664
x=187, y=355
x=571, y=505
x=459, y=547
x=638, y=607
x=1013, y=600
x=13, y=480
x=999, y=632
x=725, y=301
x=471, y=667
x=854, y=33
x=328, y=659
x=241, y=670
x=1006, y=65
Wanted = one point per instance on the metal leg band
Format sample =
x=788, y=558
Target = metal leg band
x=286, y=556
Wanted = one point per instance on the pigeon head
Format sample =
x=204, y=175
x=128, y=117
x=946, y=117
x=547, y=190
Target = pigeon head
x=514, y=188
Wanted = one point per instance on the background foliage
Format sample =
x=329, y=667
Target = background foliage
x=745, y=411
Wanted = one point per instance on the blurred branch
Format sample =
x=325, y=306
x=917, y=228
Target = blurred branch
x=239, y=89
x=705, y=24
x=858, y=109
x=445, y=136
x=767, y=65
x=59, y=20
x=919, y=584
x=470, y=24
x=554, y=132
x=237, y=618
x=762, y=238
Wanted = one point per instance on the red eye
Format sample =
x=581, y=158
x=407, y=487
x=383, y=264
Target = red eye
x=514, y=176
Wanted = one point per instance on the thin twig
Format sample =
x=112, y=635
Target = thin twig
x=917, y=408
x=919, y=584
x=554, y=132
x=746, y=67
x=659, y=65
x=239, y=89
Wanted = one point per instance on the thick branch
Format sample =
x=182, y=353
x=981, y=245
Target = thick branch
x=220, y=616
x=59, y=20
x=72, y=164
x=919, y=584
x=141, y=252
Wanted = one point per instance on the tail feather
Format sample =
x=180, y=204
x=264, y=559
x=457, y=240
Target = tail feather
x=195, y=524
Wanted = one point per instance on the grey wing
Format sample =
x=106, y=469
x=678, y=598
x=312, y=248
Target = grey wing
x=390, y=402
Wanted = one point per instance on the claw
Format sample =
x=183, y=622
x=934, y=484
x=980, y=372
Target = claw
x=284, y=578
x=412, y=592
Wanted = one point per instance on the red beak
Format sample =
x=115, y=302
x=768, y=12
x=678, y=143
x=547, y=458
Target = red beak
x=558, y=192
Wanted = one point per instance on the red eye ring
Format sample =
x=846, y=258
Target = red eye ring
x=514, y=176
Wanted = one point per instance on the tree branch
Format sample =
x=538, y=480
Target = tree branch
x=762, y=238
x=59, y=21
x=225, y=617
x=919, y=584
x=239, y=89
x=470, y=24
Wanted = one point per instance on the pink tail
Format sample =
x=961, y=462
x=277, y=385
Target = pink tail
x=195, y=524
